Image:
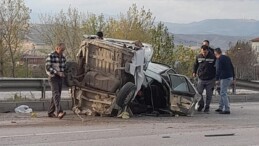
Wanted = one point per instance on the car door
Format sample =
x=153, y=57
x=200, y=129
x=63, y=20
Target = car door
x=183, y=95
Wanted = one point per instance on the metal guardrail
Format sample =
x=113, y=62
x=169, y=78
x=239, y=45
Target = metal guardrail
x=247, y=84
x=24, y=84
x=42, y=84
x=241, y=84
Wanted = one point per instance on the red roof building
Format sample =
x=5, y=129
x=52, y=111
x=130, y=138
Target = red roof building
x=255, y=40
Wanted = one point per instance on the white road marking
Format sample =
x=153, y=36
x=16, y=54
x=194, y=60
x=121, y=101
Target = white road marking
x=58, y=133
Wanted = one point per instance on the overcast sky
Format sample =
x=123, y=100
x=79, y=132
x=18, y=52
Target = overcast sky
x=177, y=11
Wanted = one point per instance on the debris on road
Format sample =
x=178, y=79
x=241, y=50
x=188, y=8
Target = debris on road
x=23, y=109
x=33, y=115
x=77, y=112
x=216, y=135
x=124, y=115
x=166, y=137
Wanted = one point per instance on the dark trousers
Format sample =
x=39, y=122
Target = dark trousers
x=56, y=88
x=208, y=85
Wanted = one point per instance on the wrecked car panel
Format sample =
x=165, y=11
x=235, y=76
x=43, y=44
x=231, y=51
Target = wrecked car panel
x=112, y=76
x=103, y=69
x=184, y=95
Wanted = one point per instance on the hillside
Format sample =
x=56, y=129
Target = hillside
x=220, y=32
x=227, y=27
x=195, y=40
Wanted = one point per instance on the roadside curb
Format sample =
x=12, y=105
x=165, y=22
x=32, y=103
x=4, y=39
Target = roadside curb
x=37, y=105
x=43, y=105
x=238, y=98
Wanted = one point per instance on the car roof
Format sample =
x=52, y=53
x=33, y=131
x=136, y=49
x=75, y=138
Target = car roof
x=155, y=69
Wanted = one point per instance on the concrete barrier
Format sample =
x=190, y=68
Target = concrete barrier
x=40, y=105
x=43, y=105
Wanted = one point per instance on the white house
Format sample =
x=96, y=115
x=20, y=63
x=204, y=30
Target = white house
x=255, y=46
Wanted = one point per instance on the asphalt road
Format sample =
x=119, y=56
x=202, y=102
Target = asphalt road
x=242, y=123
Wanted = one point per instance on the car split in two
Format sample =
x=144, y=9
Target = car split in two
x=113, y=76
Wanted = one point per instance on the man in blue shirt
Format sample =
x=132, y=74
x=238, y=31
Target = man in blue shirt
x=224, y=77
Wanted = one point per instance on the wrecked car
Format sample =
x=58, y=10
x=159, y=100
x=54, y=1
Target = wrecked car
x=112, y=76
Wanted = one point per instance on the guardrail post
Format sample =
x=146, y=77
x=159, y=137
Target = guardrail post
x=43, y=91
x=234, y=88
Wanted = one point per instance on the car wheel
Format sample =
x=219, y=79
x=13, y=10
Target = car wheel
x=126, y=94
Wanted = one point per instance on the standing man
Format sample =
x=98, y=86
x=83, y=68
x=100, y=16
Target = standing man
x=204, y=68
x=55, y=67
x=207, y=43
x=99, y=35
x=224, y=77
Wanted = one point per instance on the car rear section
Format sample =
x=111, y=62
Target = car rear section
x=98, y=75
x=107, y=75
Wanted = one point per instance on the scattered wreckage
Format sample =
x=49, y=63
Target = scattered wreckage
x=112, y=77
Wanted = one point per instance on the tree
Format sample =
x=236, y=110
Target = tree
x=94, y=23
x=184, y=59
x=139, y=25
x=3, y=51
x=63, y=27
x=134, y=25
x=243, y=58
x=162, y=42
x=14, y=18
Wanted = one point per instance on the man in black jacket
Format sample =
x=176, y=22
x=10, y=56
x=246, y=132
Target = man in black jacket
x=207, y=43
x=224, y=76
x=99, y=35
x=204, y=68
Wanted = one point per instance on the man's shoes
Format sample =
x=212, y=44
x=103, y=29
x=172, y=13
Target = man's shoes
x=61, y=115
x=225, y=112
x=52, y=115
x=218, y=110
x=207, y=110
x=200, y=108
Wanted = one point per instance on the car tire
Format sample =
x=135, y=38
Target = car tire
x=126, y=94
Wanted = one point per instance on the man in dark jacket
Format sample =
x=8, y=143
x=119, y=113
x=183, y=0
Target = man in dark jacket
x=224, y=76
x=207, y=43
x=204, y=67
x=99, y=35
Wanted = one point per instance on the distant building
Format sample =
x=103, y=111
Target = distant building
x=33, y=57
x=34, y=51
x=255, y=47
x=255, y=44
